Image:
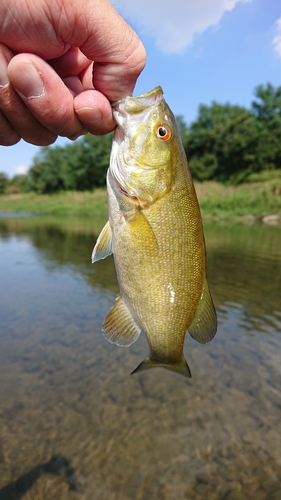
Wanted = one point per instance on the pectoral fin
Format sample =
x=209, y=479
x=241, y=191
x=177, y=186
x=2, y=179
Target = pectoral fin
x=120, y=327
x=142, y=233
x=103, y=246
x=204, y=324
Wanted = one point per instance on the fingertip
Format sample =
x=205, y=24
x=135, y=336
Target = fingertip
x=6, y=52
x=9, y=139
x=46, y=139
x=94, y=122
x=94, y=111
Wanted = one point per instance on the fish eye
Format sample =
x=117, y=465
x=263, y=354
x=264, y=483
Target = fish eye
x=163, y=132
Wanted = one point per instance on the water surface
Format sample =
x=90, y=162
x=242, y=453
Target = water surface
x=75, y=425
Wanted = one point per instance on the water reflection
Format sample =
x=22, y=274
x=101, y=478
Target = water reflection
x=66, y=392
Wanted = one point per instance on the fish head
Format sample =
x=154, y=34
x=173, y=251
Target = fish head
x=145, y=147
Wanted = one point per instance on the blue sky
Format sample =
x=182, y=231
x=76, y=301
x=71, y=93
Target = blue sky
x=198, y=51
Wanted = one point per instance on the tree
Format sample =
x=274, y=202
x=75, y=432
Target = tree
x=217, y=142
x=45, y=175
x=3, y=182
x=18, y=183
x=183, y=128
x=267, y=111
x=228, y=143
x=87, y=163
x=79, y=166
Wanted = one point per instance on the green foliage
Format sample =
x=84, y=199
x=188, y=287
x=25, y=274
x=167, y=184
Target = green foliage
x=63, y=203
x=79, y=166
x=228, y=143
x=18, y=184
x=45, y=176
x=87, y=163
x=3, y=182
x=183, y=128
x=251, y=200
x=220, y=143
x=267, y=111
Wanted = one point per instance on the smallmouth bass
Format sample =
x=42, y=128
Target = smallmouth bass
x=155, y=234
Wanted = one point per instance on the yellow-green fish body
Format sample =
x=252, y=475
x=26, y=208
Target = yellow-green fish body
x=155, y=233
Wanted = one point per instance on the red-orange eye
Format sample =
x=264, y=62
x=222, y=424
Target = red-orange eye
x=163, y=132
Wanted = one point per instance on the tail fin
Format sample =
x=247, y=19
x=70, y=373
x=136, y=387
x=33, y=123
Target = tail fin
x=182, y=367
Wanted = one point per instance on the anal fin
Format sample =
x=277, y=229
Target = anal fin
x=120, y=327
x=204, y=324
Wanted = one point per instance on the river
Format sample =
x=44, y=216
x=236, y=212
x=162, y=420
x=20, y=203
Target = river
x=74, y=424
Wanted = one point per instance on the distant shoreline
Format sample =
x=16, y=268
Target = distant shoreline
x=257, y=202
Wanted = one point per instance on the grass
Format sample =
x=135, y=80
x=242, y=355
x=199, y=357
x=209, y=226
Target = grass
x=252, y=200
x=65, y=203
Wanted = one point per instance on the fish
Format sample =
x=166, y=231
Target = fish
x=155, y=234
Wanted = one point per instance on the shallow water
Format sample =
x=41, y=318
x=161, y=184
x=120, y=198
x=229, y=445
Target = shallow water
x=75, y=425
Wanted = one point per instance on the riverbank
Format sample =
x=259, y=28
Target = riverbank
x=260, y=200
x=64, y=203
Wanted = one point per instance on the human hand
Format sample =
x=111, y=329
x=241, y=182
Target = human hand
x=49, y=85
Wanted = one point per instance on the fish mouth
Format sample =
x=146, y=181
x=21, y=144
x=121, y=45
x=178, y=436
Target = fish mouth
x=138, y=103
x=130, y=106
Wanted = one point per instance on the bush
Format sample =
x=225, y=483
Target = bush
x=3, y=182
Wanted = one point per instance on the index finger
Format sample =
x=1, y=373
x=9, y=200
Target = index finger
x=118, y=52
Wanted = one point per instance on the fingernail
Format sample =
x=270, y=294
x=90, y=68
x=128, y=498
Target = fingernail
x=89, y=115
x=27, y=80
x=4, y=80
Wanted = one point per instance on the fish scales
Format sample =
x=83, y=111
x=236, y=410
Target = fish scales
x=156, y=236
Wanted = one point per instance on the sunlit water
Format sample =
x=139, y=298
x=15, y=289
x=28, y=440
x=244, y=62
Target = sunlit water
x=75, y=425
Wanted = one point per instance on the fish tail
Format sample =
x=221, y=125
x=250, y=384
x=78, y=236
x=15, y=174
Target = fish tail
x=180, y=367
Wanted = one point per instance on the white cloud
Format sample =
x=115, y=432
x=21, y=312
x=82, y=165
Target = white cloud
x=175, y=23
x=21, y=169
x=277, y=39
